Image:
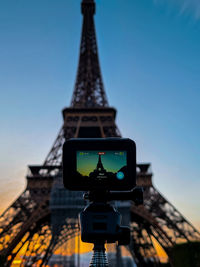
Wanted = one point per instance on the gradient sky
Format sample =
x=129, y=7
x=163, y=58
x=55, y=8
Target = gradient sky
x=150, y=59
x=112, y=161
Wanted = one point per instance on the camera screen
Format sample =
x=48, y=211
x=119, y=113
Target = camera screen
x=101, y=165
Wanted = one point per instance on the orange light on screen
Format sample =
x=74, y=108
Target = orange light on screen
x=101, y=153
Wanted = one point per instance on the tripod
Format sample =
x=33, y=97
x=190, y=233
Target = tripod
x=99, y=258
x=101, y=223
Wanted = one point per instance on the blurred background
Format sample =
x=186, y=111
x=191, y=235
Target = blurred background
x=149, y=55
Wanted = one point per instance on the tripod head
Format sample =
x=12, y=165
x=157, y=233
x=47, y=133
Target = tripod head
x=135, y=195
x=101, y=222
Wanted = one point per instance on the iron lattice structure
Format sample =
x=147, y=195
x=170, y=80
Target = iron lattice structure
x=44, y=217
x=89, y=89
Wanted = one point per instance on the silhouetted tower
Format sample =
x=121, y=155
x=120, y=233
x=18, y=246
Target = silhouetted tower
x=44, y=217
x=89, y=90
x=100, y=165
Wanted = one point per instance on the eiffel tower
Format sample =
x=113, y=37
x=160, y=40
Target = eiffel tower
x=44, y=217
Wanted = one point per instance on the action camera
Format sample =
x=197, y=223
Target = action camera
x=99, y=164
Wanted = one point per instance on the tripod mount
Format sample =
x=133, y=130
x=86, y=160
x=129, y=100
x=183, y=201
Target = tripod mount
x=101, y=223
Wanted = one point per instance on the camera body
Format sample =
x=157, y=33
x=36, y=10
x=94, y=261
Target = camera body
x=107, y=164
x=101, y=166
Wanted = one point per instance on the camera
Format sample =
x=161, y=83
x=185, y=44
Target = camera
x=99, y=164
x=106, y=168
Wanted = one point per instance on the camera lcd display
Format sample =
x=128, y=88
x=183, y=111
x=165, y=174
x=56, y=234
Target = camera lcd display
x=91, y=164
x=101, y=165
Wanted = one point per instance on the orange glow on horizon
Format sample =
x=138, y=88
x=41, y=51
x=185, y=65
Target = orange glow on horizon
x=160, y=251
x=82, y=248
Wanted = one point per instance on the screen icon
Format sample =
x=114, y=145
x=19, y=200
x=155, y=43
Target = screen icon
x=120, y=175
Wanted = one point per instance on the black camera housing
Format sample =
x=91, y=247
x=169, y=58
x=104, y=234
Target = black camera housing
x=101, y=222
x=99, y=179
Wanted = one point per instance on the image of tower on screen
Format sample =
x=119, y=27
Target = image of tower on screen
x=101, y=165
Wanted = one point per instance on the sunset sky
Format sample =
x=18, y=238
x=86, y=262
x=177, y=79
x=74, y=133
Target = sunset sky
x=150, y=60
x=112, y=161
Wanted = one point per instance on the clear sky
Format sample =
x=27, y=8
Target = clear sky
x=150, y=59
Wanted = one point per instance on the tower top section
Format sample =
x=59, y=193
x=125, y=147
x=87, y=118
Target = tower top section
x=88, y=5
x=89, y=89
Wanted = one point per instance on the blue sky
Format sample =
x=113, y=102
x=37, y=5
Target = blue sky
x=150, y=60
